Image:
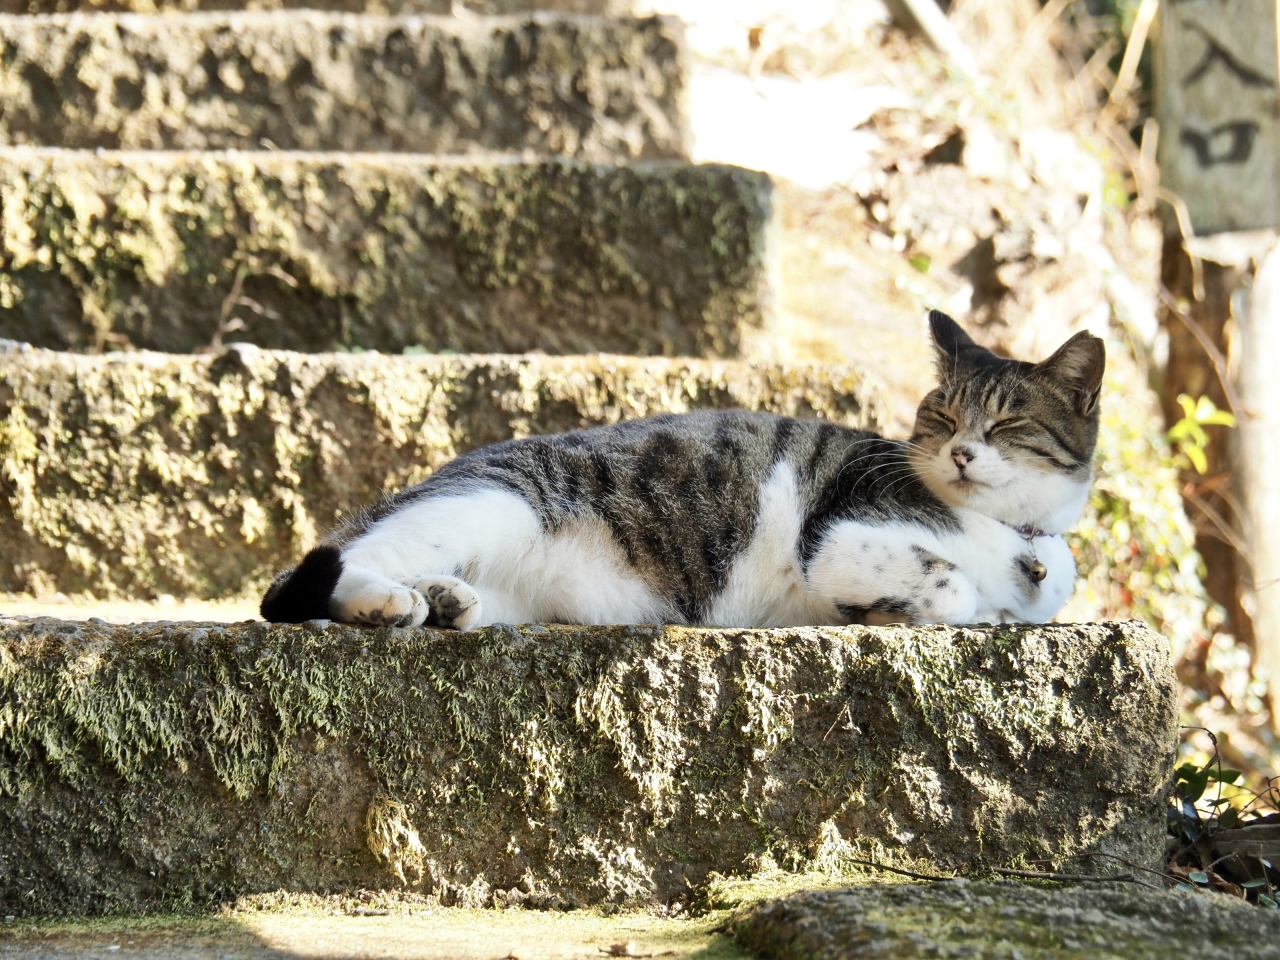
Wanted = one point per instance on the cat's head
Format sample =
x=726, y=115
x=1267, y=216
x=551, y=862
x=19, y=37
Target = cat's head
x=1009, y=439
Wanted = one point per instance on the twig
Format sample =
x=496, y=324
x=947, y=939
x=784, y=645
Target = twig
x=1209, y=347
x=1133, y=49
x=938, y=31
x=1035, y=34
x=1111, y=856
x=1183, y=216
x=843, y=711
x=227, y=323
x=1065, y=877
x=898, y=870
x=1224, y=531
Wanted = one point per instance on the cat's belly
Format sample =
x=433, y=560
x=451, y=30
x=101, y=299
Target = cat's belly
x=767, y=586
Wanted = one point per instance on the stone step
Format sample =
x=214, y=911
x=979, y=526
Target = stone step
x=142, y=474
x=380, y=251
x=592, y=88
x=165, y=765
x=466, y=7
x=959, y=919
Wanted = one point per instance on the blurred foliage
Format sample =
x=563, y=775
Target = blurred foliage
x=1136, y=550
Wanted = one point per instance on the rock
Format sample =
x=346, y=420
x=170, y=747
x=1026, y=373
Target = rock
x=152, y=766
x=379, y=251
x=585, y=87
x=144, y=474
x=1006, y=921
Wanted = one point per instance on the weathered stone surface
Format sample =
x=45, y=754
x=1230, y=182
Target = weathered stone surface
x=144, y=474
x=596, y=7
x=167, y=764
x=592, y=88
x=1007, y=921
x=379, y=251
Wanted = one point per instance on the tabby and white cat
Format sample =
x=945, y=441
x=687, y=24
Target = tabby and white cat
x=742, y=519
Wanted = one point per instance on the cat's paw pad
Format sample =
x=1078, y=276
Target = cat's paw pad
x=387, y=607
x=453, y=604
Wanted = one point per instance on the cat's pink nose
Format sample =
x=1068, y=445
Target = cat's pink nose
x=962, y=456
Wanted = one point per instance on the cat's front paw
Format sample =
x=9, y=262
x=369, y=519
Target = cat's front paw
x=453, y=604
x=386, y=606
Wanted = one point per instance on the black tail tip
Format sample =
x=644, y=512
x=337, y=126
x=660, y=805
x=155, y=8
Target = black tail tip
x=304, y=592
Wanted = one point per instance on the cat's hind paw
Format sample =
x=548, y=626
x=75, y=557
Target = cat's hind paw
x=453, y=604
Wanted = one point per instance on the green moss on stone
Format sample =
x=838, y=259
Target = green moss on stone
x=379, y=252
x=200, y=476
x=166, y=765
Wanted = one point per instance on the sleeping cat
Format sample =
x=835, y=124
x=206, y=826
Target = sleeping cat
x=742, y=519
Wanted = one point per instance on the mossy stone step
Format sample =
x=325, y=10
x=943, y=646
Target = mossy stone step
x=1008, y=921
x=586, y=87
x=199, y=476
x=381, y=251
x=164, y=765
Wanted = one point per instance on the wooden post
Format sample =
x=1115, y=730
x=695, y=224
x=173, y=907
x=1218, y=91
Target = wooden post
x=1217, y=69
x=1257, y=467
x=1217, y=100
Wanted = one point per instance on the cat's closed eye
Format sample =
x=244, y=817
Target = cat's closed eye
x=1005, y=424
x=945, y=419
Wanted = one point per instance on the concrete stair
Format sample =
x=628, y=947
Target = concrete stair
x=165, y=765
x=320, y=251
x=597, y=89
x=143, y=474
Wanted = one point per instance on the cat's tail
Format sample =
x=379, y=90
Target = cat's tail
x=304, y=592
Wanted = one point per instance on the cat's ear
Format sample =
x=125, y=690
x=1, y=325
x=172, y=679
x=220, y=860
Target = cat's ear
x=1079, y=363
x=955, y=348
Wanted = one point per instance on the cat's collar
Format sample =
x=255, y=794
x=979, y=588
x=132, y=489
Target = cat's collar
x=1028, y=532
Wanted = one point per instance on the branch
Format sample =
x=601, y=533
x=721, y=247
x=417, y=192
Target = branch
x=1067, y=877
x=905, y=873
x=1209, y=347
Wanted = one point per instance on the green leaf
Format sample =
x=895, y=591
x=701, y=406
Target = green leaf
x=1263, y=898
x=1192, y=789
x=1265, y=863
x=1184, y=887
x=1228, y=818
x=1251, y=884
x=921, y=262
x=1226, y=776
x=1219, y=418
x=1198, y=876
x=1196, y=456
